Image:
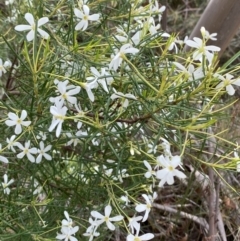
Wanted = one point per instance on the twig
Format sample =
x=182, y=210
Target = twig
x=117, y=234
x=201, y=221
x=215, y=217
x=204, y=183
x=212, y=206
x=164, y=17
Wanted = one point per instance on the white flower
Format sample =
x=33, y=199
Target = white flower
x=152, y=148
x=68, y=221
x=146, y=207
x=93, y=225
x=81, y=134
x=101, y=78
x=73, y=139
x=43, y=152
x=169, y=171
x=123, y=39
x=173, y=43
x=143, y=237
x=106, y=218
x=66, y=93
x=107, y=172
x=59, y=114
x=67, y=234
x=6, y=184
x=14, y=120
x=83, y=24
x=2, y=69
x=121, y=174
x=202, y=49
x=42, y=135
x=7, y=64
x=227, y=82
x=153, y=28
x=67, y=229
x=32, y=26
x=207, y=35
x=159, y=161
x=88, y=87
x=122, y=96
x=26, y=151
x=2, y=158
x=191, y=73
x=117, y=60
x=125, y=199
x=166, y=147
x=150, y=172
x=155, y=9
x=133, y=223
x=91, y=231
x=38, y=187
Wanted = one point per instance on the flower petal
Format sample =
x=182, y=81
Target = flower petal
x=78, y=13
x=80, y=25
x=29, y=18
x=108, y=210
x=30, y=157
x=146, y=236
x=43, y=33
x=42, y=21
x=116, y=218
x=18, y=129
x=110, y=226
x=26, y=123
x=86, y=10
x=96, y=214
x=140, y=207
x=12, y=116
x=10, y=123
x=3, y=159
x=30, y=36
x=94, y=17
x=230, y=90
x=22, y=27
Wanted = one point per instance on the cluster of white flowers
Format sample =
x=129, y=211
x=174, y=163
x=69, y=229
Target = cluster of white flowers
x=34, y=25
x=58, y=110
x=91, y=231
x=19, y=122
x=165, y=168
x=67, y=230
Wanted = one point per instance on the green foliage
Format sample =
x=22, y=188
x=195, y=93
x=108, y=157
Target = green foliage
x=159, y=103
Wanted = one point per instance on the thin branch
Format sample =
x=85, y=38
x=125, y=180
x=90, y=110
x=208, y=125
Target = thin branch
x=201, y=221
x=215, y=217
